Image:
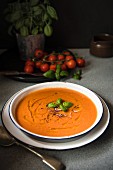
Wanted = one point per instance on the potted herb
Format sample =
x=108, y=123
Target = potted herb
x=30, y=21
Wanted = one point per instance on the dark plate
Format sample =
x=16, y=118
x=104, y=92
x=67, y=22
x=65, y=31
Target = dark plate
x=29, y=78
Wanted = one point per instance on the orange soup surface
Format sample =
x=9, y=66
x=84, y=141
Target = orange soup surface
x=33, y=114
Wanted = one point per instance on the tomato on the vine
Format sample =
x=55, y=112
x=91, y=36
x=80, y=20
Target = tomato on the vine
x=61, y=57
x=44, y=67
x=53, y=67
x=63, y=67
x=38, y=64
x=38, y=53
x=28, y=69
x=30, y=62
x=66, y=53
x=52, y=57
x=69, y=57
x=71, y=64
x=80, y=62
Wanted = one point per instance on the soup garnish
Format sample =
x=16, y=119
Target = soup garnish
x=60, y=105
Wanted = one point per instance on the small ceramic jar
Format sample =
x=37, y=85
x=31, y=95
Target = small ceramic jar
x=102, y=45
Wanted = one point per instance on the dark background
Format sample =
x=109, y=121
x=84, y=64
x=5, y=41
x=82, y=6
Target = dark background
x=79, y=21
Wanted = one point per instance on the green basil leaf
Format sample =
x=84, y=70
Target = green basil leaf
x=79, y=72
x=57, y=73
x=34, y=31
x=58, y=68
x=19, y=24
x=24, y=31
x=37, y=9
x=63, y=108
x=64, y=73
x=77, y=76
x=52, y=12
x=67, y=104
x=46, y=17
x=59, y=101
x=15, y=16
x=49, y=74
x=42, y=6
x=48, y=30
x=28, y=22
x=52, y=105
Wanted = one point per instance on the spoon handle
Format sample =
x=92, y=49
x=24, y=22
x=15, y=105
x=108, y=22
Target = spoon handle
x=48, y=160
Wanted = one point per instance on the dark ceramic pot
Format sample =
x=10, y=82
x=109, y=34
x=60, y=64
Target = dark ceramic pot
x=102, y=45
x=27, y=45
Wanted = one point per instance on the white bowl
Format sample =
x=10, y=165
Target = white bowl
x=21, y=94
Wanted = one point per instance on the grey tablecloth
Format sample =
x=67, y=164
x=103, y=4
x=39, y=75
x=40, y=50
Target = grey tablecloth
x=98, y=155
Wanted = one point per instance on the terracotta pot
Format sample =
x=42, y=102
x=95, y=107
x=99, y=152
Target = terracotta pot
x=27, y=45
x=102, y=45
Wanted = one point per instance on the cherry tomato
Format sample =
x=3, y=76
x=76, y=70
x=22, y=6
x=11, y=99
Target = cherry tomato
x=44, y=67
x=66, y=53
x=38, y=64
x=63, y=67
x=53, y=67
x=38, y=53
x=30, y=62
x=52, y=57
x=71, y=64
x=28, y=69
x=61, y=57
x=69, y=57
x=80, y=62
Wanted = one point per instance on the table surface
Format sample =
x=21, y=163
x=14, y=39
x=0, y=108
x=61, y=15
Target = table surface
x=97, y=76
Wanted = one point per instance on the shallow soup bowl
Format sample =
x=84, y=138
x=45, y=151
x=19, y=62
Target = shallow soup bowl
x=31, y=111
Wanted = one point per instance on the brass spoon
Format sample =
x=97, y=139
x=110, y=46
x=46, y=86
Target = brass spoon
x=7, y=140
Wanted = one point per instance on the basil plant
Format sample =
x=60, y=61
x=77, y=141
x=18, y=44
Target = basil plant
x=30, y=17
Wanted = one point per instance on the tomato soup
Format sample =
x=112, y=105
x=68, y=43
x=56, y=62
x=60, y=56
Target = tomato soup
x=34, y=115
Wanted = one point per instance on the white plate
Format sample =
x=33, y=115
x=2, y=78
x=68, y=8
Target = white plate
x=78, y=142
